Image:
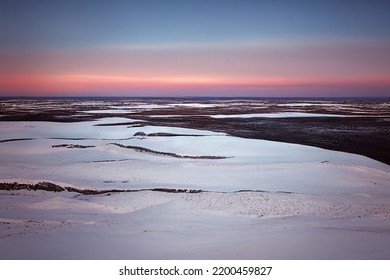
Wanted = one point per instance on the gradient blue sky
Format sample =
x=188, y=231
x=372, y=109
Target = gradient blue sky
x=181, y=48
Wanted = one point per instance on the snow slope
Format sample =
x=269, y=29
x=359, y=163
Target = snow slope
x=300, y=202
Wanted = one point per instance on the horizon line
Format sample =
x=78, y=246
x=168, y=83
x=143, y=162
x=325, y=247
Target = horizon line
x=187, y=97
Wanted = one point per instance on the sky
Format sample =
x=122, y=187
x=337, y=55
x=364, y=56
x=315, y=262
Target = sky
x=228, y=48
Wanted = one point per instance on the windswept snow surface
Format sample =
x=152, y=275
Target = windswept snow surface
x=300, y=202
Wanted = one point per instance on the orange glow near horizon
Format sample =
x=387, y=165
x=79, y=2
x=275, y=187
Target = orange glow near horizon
x=329, y=69
x=52, y=84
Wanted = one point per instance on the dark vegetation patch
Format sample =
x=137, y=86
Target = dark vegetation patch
x=239, y=191
x=72, y=146
x=175, y=190
x=17, y=139
x=45, y=186
x=165, y=134
x=149, y=151
x=131, y=124
x=112, y=160
x=50, y=187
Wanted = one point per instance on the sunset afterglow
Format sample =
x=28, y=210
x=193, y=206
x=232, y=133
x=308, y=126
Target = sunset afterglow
x=195, y=48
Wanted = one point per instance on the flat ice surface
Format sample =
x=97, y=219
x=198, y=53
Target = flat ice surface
x=317, y=204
